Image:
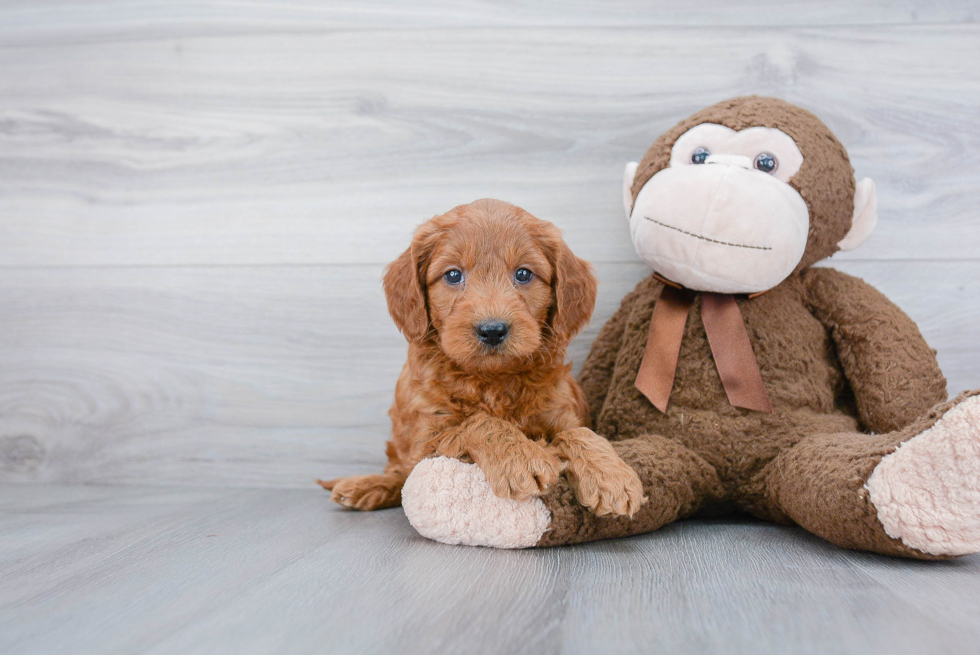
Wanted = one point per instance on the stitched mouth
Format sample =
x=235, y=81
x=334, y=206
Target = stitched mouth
x=704, y=238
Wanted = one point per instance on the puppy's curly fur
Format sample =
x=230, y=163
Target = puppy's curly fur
x=504, y=399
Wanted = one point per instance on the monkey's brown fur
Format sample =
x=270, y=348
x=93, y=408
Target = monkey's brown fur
x=849, y=375
x=516, y=410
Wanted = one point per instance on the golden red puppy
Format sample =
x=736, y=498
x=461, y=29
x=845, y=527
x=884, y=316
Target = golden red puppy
x=489, y=297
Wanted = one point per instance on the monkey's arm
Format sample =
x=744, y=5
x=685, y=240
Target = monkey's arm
x=890, y=367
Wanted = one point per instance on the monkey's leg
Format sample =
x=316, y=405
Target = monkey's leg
x=912, y=493
x=516, y=467
x=449, y=501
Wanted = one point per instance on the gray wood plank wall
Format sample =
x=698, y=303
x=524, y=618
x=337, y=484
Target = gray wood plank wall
x=197, y=198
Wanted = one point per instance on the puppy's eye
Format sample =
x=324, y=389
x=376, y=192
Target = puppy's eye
x=700, y=155
x=523, y=275
x=453, y=277
x=766, y=163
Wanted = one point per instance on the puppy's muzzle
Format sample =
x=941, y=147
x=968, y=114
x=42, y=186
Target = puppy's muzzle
x=492, y=333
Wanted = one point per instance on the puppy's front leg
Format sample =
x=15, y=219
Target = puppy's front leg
x=603, y=482
x=515, y=466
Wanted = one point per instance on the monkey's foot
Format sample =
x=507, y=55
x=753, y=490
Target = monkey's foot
x=452, y=502
x=927, y=492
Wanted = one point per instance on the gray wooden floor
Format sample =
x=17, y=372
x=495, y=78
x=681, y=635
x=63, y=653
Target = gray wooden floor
x=197, y=199
x=105, y=570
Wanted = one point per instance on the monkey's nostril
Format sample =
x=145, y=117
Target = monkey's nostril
x=492, y=333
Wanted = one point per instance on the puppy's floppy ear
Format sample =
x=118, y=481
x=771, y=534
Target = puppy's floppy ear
x=575, y=291
x=404, y=287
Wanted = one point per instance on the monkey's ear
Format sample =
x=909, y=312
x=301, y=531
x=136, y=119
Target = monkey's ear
x=865, y=215
x=405, y=296
x=628, y=176
x=575, y=292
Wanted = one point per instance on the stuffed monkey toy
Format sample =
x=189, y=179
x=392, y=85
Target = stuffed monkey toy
x=738, y=377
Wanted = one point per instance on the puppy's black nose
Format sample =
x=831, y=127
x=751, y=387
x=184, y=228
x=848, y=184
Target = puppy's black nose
x=492, y=333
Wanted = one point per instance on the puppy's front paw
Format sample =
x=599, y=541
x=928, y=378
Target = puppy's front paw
x=365, y=492
x=524, y=470
x=607, y=486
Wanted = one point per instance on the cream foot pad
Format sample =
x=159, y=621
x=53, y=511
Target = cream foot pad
x=449, y=501
x=927, y=492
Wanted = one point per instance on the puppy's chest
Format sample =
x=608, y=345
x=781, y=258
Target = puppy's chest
x=528, y=411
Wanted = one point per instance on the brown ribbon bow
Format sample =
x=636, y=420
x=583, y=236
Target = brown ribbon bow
x=727, y=337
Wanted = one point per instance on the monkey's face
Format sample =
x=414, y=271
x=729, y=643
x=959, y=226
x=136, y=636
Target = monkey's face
x=722, y=215
x=740, y=195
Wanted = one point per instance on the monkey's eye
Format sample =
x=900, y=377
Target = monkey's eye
x=453, y=277
x=523, y=275
x=700, y=155
x=766, y=163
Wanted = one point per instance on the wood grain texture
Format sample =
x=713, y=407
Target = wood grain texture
x=330, y=146
x=197, y=198
x=26, y=20
x=196, y=201
x=273, y=375
x=94, y=570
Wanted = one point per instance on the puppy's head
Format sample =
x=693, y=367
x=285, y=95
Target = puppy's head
x=492, y=285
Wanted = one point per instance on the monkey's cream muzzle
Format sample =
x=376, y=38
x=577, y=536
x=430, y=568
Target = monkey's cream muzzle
x=721, y=226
